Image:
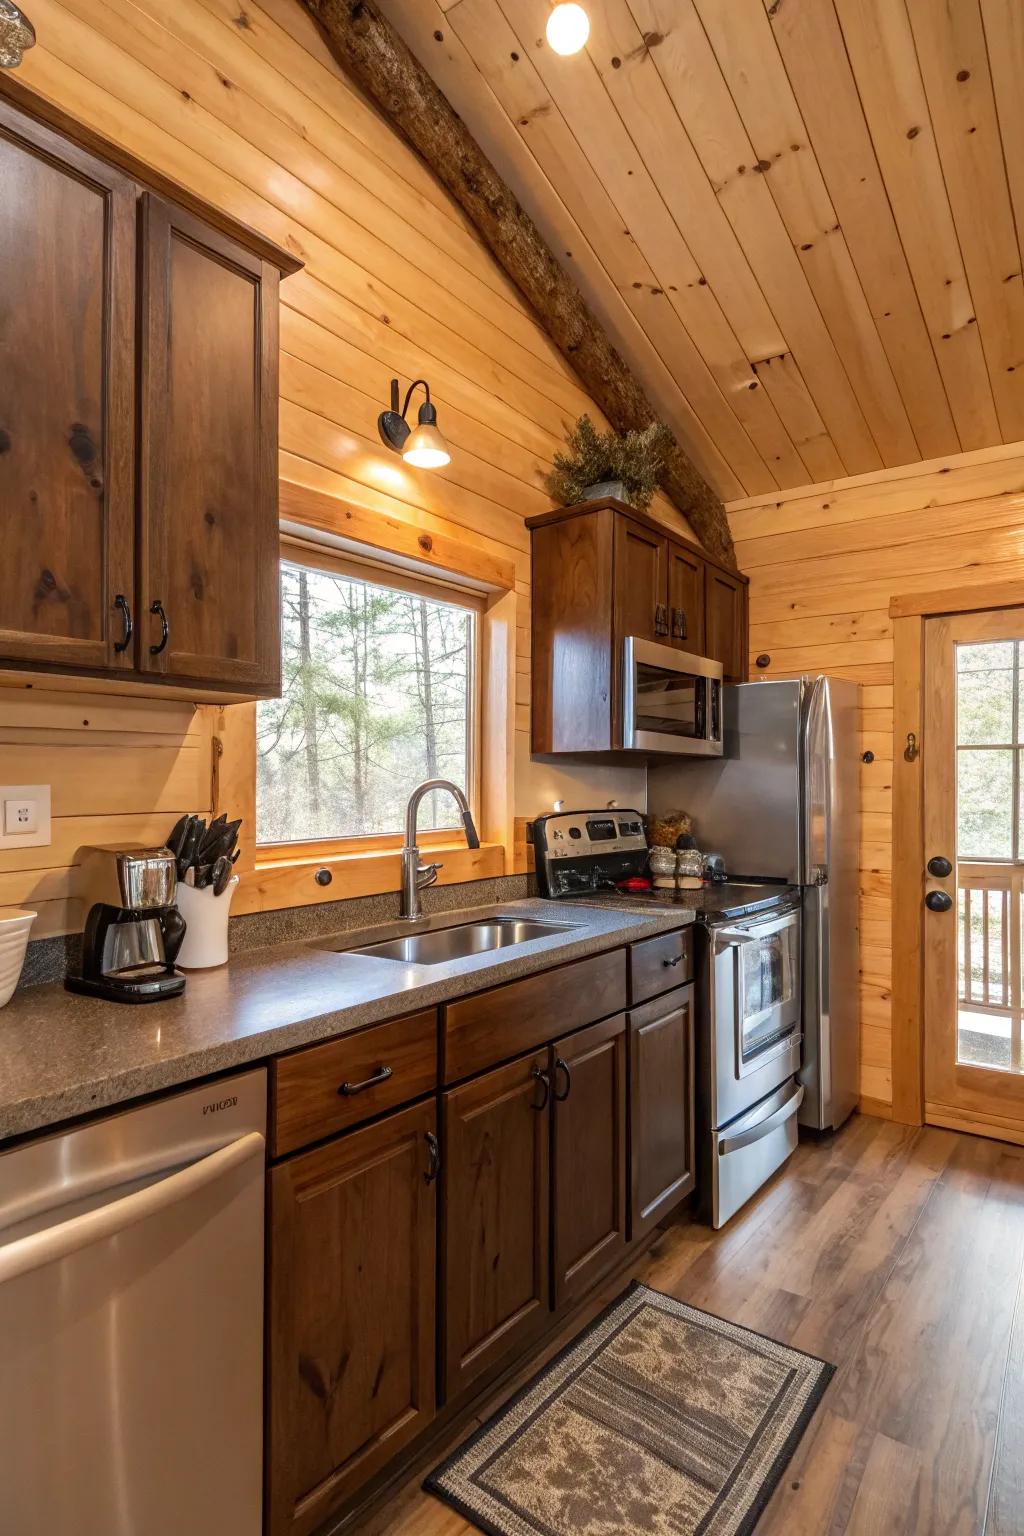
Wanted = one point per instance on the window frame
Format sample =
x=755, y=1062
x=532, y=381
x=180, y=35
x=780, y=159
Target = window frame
x=381, y=572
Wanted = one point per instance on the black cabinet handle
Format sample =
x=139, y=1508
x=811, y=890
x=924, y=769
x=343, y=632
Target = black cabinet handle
x=165, y=629
x=679, y=629
x=661, y=619
x=674, y=961
x=380, y=1076
x=545, y=1083
x=434, y=1153
x=563, y=1066
x=120, y=601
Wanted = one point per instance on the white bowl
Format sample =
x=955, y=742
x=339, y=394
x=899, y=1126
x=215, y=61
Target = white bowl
x=15, y=924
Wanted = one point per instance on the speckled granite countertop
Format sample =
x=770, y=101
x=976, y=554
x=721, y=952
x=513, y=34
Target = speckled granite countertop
x=62, y=1055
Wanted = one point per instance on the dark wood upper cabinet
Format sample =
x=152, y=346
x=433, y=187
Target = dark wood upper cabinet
x=686, y=576
x=67, y=379
x=725, y=598
x=600, y=573
x=639, y=581
x=138, y=424
x=208, y=539
x=661, y=1115
x=351, y=1313
x=495, y=1217
x=589, y=1161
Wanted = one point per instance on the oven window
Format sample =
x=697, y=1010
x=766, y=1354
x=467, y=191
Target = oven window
x=768, y=976
x=671, y=703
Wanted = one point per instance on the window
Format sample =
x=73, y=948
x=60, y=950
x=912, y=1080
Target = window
x=990, y=740
x=378, y=688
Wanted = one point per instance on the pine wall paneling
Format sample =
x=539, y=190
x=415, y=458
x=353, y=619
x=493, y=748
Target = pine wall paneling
x=824, y=563
x=243, y=105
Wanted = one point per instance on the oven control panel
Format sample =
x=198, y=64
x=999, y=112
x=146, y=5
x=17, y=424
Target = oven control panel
x=580, y=851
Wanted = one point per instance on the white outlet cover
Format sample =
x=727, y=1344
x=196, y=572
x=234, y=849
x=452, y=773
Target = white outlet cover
x=39, y=794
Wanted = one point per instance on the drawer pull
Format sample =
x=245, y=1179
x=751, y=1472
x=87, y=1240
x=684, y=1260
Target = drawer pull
x=380, y=1076
x=674, y=961
x=434, y=1151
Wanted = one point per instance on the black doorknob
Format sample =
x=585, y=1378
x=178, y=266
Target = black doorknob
x=939, y=867
x=938, y=901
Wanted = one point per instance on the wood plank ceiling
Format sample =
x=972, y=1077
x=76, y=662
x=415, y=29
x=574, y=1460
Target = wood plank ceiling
x=800, y=219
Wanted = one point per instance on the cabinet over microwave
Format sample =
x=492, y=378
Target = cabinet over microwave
x=671, y=700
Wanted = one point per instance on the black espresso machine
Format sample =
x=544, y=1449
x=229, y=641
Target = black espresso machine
x=133, y=930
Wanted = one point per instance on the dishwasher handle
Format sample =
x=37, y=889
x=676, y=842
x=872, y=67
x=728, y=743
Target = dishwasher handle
x=55, y=1243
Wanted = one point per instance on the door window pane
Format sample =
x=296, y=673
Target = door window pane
x=985, y=803
x=984, y=704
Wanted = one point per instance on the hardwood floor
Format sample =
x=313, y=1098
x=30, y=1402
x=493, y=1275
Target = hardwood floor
x=897, y=1254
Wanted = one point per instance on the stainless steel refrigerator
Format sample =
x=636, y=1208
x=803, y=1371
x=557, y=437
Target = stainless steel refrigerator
x=782, y=803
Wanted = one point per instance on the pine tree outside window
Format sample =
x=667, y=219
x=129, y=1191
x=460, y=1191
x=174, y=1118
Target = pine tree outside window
x=379, y=691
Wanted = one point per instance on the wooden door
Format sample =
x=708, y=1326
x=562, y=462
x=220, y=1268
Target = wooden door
x=495, y=1217
x=351, y=1314
x=640, y=582
x=67, y=415
x=208, y=494
x=589, y=1161
x=686, y=599
x=973, y=767
x=661, y=1107
x=725, y=622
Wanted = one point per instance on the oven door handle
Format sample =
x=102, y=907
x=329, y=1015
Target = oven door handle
x=765, y=1127
x=756, y=932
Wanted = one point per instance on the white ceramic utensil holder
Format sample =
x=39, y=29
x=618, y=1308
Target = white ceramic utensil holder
x=15, y=924
x=206, y=925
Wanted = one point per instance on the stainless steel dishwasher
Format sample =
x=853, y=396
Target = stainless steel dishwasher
x=131, y=1321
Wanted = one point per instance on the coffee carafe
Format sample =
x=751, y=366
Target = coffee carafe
x=133, y=930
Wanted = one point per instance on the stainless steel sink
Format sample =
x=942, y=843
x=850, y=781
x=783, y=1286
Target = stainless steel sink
x=443, y=944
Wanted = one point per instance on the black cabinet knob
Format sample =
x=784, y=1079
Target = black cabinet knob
x=940, y=867
x=938, y=901
x=323, y=877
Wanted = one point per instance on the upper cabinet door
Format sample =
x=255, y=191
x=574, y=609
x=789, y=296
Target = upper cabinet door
x=725, y=607
x=685, y=599
x=67, y=424
x=208, y=528
x=641, y=582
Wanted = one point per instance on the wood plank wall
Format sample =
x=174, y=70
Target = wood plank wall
x=824, y=562
x=241, y=103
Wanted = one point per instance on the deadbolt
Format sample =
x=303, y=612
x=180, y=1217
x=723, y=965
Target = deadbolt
x=939, y=867
x=938, y=901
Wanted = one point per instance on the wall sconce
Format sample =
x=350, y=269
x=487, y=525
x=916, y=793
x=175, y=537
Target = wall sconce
x=422, y=446
x=16, y=34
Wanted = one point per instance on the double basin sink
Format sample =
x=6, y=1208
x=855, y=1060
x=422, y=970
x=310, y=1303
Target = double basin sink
x=441, y=945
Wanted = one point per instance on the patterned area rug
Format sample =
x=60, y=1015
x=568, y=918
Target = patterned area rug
x=659, y=1419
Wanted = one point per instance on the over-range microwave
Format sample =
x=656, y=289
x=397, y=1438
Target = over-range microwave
x=671, y=700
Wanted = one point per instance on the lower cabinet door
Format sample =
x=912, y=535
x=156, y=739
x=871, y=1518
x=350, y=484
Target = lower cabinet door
x=589, y=1092
x=351, y=1312
x=661, y=1107
x=495, y=1216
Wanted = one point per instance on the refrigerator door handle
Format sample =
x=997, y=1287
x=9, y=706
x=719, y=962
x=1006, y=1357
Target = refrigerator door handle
x=817, y=771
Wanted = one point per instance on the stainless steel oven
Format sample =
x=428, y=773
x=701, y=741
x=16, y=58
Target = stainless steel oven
x=671, y=700
x=751, y=1052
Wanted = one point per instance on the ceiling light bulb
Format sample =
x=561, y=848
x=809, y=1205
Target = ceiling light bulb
x=568, y=29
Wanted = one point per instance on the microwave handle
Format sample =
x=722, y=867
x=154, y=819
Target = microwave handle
x=700, y=709
x=716, y=708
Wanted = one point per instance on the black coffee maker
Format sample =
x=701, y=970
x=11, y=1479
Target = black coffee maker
x=133, y=930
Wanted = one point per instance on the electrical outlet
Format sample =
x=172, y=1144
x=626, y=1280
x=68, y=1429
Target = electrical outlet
x=24, y=816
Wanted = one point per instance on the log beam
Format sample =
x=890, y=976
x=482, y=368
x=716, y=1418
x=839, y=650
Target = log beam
x=372, y=53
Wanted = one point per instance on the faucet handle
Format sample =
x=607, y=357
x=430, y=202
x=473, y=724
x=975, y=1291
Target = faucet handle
x=426, y=874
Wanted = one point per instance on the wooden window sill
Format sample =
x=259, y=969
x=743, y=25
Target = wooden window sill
x=292, y=882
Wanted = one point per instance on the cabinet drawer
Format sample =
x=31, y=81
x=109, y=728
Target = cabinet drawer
x=396, y=1062
x=656, y=965
x=492, y=1026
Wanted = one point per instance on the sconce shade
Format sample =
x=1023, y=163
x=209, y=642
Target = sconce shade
x=422, y=446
